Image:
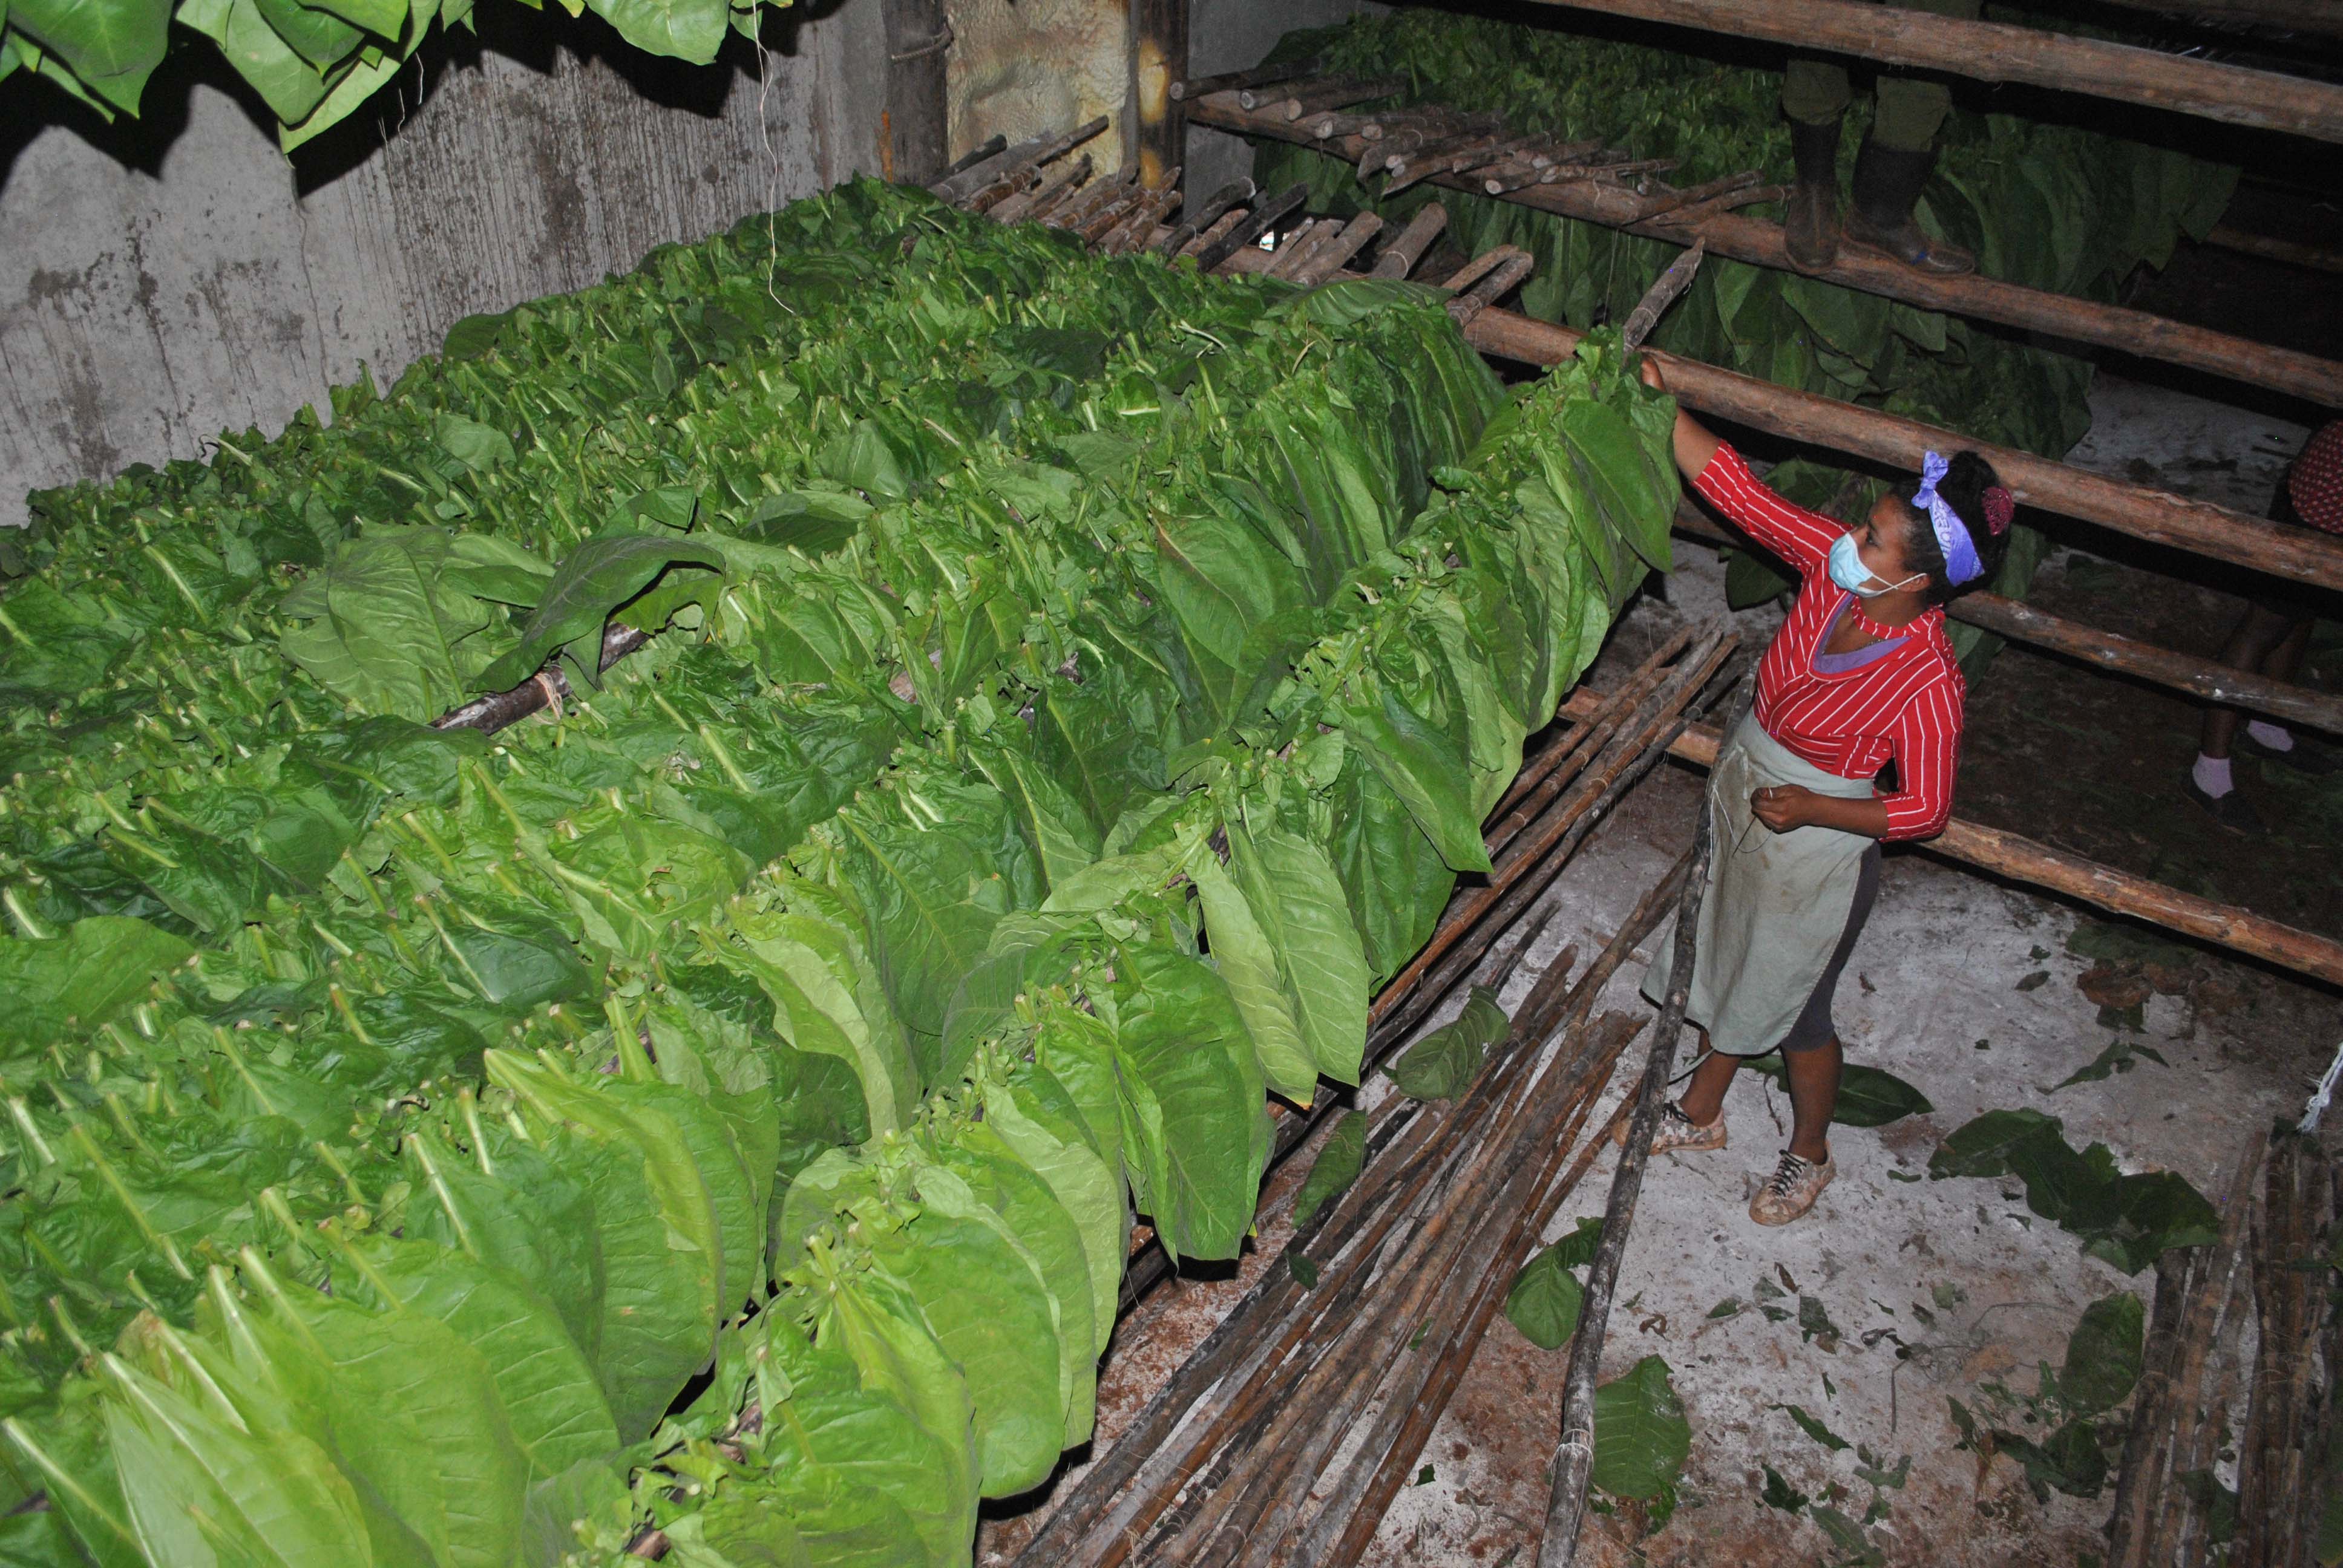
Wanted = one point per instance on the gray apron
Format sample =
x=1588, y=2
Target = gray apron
x=1777, y=902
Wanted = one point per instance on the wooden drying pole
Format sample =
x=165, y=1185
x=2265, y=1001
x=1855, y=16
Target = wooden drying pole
x=1574, y=1456
x=2205, y=679
x=1758, y=242
x=2201, y=527
x=1996, y=52
x=2022, y=859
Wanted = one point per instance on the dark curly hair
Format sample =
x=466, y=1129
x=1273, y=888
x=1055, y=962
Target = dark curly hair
x=1964, y=486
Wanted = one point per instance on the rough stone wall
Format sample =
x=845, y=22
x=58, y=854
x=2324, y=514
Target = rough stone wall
x=1018, y=68
x=167, y=278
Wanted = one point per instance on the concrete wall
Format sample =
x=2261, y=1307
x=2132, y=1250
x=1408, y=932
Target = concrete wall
x=165, y=278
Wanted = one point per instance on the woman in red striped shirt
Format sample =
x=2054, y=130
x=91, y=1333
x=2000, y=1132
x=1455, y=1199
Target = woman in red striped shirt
x=1859, y=677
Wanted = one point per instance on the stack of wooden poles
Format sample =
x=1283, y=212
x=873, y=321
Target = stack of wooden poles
x=2271, y=1265
x=1284, y=1437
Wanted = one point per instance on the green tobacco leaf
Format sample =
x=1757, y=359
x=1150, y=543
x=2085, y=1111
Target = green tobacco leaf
x=475, y=445
x=386, y=623
x=1637, y=502
x=199, y=1486
x=662, y=1255
x=112, y=45
x=472, y=335
x=1868, y=1096
x=1195, y=1136
x=1049, y=1139
x=1815, y=1429
x=681, y=29
x=1641, y=1436
x=1339, y=1161
x=2128, y=1220
x=591, y=581
x=1982, y=1147
x=62, y=986
x=1247, y=960
x=490, y=566
x=1545, y=1300
x=2104, y=1354
x=1424, y=770
x=2069, y=1460
x=1443, y=1064
x=1296, y=894
x=1577, y=1250
x=1779, y=1493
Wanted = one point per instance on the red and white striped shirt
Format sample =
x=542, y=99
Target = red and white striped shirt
x=1907, y=704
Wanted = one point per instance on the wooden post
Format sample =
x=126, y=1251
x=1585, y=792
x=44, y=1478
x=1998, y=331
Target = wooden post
x=2021, y=859
x=1158, y=60
x=911, y=146
x=1759, y=243
x=1995, y=52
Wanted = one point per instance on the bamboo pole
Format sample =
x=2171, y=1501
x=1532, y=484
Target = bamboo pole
x=1996, y=52
x=2206, y=680
x=958, y=187
x=2022, y=859
x=1573, y=1455
x=1738, y=237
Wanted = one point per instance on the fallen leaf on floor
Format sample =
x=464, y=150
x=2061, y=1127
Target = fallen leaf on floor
x=2117, y=986
x=1815, y=1429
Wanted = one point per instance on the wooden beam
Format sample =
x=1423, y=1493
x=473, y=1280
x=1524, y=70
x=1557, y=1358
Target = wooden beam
x=2299, y=15
x=2205, y=679
x=2319, y=258
x=2021, y=859
x=1159, y=61
x=2301, y=554
x=1996, y=52
x=1758, y=242
x=911, y=148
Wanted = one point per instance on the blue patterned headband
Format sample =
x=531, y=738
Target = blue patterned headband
x=1961, y=562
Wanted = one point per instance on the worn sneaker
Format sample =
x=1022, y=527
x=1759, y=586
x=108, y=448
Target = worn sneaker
x=1790, y=1190
x=1678, y=1132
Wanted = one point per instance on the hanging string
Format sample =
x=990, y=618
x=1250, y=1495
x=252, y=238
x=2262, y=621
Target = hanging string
x=2316, y=1106
x=772, y=169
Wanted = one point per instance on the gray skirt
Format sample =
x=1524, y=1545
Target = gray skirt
x=1781, y=910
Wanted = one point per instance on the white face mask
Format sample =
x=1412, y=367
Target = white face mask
x=1848, y=571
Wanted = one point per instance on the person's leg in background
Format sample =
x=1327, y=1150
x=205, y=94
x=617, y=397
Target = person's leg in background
x=1896, y=158
x=1814, y=95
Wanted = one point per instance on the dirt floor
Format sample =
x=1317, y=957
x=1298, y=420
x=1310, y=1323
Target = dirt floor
x=1903, y=1294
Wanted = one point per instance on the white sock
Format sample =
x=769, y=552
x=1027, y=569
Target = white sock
x=2274, y=736
x=2212, y=775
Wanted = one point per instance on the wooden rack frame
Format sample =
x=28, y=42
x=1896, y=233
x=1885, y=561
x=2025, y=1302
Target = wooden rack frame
x=1120, y=215
x=1996, y=52
x=1759, y=242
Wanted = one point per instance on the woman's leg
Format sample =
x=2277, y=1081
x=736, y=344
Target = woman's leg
x=1704, y=1096
x=1813, y=1077
x=2264, y=640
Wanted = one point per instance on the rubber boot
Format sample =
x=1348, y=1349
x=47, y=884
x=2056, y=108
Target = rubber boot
x=1810, y=233
x=1886, y=184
